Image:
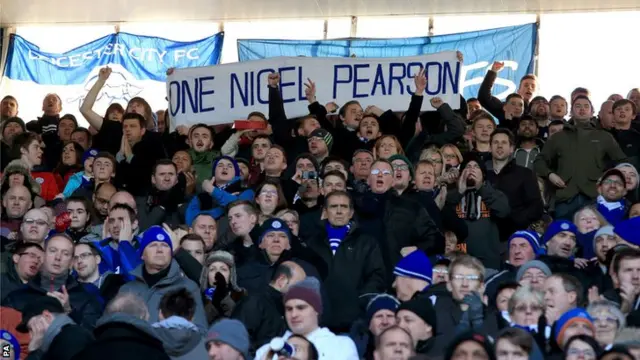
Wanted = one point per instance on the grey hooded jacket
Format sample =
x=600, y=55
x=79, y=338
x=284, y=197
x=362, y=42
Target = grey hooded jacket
x=181, y=339
x=175, y=280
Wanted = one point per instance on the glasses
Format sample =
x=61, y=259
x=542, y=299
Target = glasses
x=612, y=182
x=538, y=277
x=441, y=271
x=401, y=167
x=584, y=353
x=31, y=256
x=605, y=319
x=450, y=156
x=38, y=222
x=523, y=308
x=83, y=256
x=269, y=192
x=469, y=278
x=363, y=161
x=378, y=172
x=436, y=161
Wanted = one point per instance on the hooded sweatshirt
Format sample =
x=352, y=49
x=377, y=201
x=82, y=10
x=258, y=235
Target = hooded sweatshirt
x=181, y=339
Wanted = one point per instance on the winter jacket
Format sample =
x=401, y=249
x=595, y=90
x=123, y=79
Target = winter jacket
x=160, y=207
x=520, y=186
x=134, y=172
x=526, y=158
x=446, y=219
x=488, y=205
x=492, y=104
x=181, y=339
x=263, y=315
x=506, y=274
x=86, y=309
x=121, y=261
x=10, y=280
x=396, y=223
x=123, y=337
x=75, y=181
x=221, y=198
x=152, y=296
x=63, y=340
x=578, y=155
x=629, y=141
x=329, y=345
x=359, y=256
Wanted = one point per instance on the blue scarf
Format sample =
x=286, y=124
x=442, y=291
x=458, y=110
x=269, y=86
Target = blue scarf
x=336, y=235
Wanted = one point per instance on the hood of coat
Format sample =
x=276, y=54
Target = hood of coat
x=179, y=336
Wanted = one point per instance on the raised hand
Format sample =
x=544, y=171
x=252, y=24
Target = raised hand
x=274, y=80
x=460, y=56
x=331, y=107
x=310, y=91
x=207, y=185
x=104, y=73
x=421, y=82
x=170, y=70
x=497, y=66
x=126, y=230
x=436, y=102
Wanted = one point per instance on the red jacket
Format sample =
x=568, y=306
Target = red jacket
x=48, y=185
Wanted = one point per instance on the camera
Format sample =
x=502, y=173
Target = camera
x=309, y=175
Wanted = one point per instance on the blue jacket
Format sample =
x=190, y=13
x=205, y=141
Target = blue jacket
x=76, y=181
x=121, y=261
x=221, y=198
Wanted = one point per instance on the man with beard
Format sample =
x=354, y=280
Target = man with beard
x=540, y=111
x=529, y=145
x=10, y=128
x=201, y=151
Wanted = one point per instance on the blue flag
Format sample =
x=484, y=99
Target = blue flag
x=515, y=45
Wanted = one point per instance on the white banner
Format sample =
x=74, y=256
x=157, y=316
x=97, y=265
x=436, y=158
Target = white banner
x=223, y=93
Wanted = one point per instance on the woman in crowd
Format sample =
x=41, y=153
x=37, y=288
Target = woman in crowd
x=387, y=146
x=70, y=163
x=525, y=308
x=608, y=320
x=219, y=285
x=269, y=199
x=588, y=220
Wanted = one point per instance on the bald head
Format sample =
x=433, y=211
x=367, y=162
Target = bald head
x=123, y=197
x=16, y=201
x=606, y=114
x=130, y=304
x=286, y=275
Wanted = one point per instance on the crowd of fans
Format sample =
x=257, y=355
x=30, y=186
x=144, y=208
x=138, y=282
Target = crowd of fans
x=504, y=230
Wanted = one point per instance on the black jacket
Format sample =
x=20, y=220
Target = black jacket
x=493, y=105
x=629, y=141
x=507, y=274
x=520, y=186
x=159, y=207
x=86, y=309
x=135, y=176
x=355, y=270
x=445, y=219
x=123, y=337
x=263, y=316
x=396, y=223
x=10, y=280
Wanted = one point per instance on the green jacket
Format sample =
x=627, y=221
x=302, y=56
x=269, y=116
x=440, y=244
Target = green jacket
x=203, y=164
x=579, y=154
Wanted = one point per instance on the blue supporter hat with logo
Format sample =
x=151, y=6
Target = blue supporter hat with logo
x=89, y=153
x=233, y=161
x=153, y=234
x=629, y=230
x=271, y=225
x=557, y=227
x=416, y=266
x=531, y=236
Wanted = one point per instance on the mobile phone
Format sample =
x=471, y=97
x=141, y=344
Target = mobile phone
x=309, y=175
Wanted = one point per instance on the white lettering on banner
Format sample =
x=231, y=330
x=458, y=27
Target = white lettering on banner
x=140, y=54
x=511, y=86
x=222, y=93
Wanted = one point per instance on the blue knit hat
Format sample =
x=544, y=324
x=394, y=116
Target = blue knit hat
x=415, y=265
x=233, y=161
x=381, y=302
x=558, y=226
x=273, y=224
x=568, y=318
x=531, y=237
x=153, y=234
x=7, y=336
x=629, y=231
x=89, y=153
